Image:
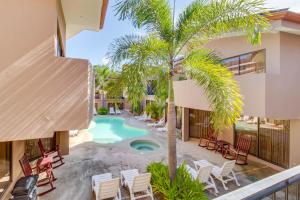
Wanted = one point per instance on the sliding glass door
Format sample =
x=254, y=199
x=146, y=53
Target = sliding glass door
x=199, y=123
x=270, y=138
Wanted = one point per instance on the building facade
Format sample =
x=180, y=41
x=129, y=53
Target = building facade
x=268, y=76
x=43, y=94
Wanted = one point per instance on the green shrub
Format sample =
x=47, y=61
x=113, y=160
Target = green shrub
x=183, y=186
x=154, y=110
x=137, y=108
x=102, y=111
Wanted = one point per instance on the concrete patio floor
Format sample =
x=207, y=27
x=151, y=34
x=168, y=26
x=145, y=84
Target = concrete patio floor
x=88, y=158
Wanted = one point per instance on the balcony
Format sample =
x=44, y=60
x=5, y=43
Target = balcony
x=40, y=94
x=190, y=95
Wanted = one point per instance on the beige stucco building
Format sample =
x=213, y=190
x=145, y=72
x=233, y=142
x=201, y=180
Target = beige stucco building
x=268, y=76
x=42, y=93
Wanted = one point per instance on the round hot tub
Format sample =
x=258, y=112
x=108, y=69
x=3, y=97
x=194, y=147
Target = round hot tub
x=144, y=145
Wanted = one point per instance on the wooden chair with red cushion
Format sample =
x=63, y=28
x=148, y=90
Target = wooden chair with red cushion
x=28, y=171
x=240, y=153
x=210, y=141
x=56, y=154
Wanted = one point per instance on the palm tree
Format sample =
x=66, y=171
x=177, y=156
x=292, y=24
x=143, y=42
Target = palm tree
x=102, y=74
x=167, y=39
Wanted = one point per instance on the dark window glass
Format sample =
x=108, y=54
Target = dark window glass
x=151, y=87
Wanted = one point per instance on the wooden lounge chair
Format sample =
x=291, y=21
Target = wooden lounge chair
x=138, y=184
x=240, y=153
x=47, y=172
x=203, y=175
x=105, y=187
x=57, y=157
x=210, y=141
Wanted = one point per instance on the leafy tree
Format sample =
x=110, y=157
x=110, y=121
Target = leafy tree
x=168, y=38
x=114, y=86
x=101, y=77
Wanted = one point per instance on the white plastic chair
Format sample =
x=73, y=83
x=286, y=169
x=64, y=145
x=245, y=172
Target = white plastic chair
x=225, y=173
x=118, y=111
x=106, y=187
x=137, y=183
x=163, y=129
x=111, y=111
x=203, y=175
x=147, y=118
x=141, y=116
x=73, y=133
x=161, y=122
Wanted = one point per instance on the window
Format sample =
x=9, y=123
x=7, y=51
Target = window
x=5, y=166
x=151, y=87
x=254, y=62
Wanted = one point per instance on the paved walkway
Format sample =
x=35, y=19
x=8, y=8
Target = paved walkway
x=88, y=158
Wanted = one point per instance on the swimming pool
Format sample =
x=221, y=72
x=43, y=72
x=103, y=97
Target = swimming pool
x=113, y=129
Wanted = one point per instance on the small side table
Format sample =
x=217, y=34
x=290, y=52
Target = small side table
x=222, y=146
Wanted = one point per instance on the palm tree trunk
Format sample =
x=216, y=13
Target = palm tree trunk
x=172, y=157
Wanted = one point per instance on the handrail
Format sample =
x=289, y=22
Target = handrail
x=265, y=187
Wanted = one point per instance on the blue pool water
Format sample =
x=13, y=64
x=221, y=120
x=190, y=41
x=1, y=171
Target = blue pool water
x=113, y=129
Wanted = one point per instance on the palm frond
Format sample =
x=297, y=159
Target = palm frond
x=133, y=49
x=154, y=15
x=219, y=86
x=134, y=80
x=119, y=50
x=204, y=20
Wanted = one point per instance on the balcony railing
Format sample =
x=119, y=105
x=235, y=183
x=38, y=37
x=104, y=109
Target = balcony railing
x=283, y=185
x=247, y=63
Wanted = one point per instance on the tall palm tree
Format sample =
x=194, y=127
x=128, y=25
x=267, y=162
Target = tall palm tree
x=167, y=38
x=102, y=74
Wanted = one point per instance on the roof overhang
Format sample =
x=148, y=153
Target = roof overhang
x=281, y=21
x=83, y=15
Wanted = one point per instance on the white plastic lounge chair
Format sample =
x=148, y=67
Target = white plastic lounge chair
x=95, y=111
x=203, y=175
x=141, y=116
x=226, y=171
x=163, y=129
x=118, y=111
x=137, y=183
x=147, y=118
x=111, y=111
x=73, y=133
x=106, y=187
x=223, y=174
x=161, y=122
